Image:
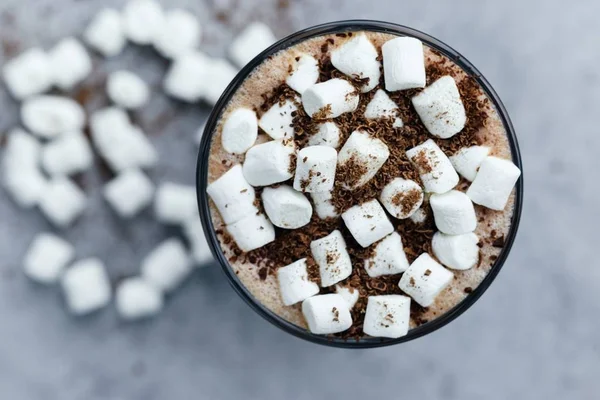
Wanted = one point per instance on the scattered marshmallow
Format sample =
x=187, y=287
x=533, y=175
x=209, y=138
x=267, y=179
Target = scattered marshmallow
x=305, y=73
x=277, y=121
x=403, y=64
x=28, y=74
x=361, y=148
x=255, y=38
x=135, y=298
x=494, y=183
x=323, y=205
x=240, y=131
x=143, y=20
x=62, y=202
x=22, y=151
x=327, y=135
x=179, y=34
x=381, y=106
x=389, y=257
x=315, y=169
x=252, y=232
x=129, y=192
x=269, y=163
x=453, y=212
x=175, y=203
x=105, y=33
x=49, y=116
x=333, y=259
x=402, y=197
x=330, y=99
x=68, y=154
x=47, y=257
x=419, y=216
x=294, y=284
x=367, y=222
x=468, y=159
x=70, y=63
x=233, y=195
x=349, y=294
x=434, y=167
x=187, y=77
x=86, y=286
x=194, y=233
x=425, y=279
x=326, y=313
x=25, y=186
x=167, y=265
x=440, y=108
x=286, y=207
x=456, y=251
x=127, y=90
x=358, y=57
x=387, y=316
x=219, y=76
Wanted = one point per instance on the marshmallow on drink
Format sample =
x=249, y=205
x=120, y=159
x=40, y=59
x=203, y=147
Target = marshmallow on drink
x=269, y=163
x=294, y=284
x=62, y=202
x=494, y=183
x=68, y=154
x=434, y=167
x=326, y=313
x=453, y=212
x=28, y=74
x=194, y=233
x=333, y=259
x=277, y=121
x=240, y=131
x=456, y=251
x=46, y=258
x=358, y=58
x=179, y=34
x=252, y=232
x=367, y=222
x=419, y=216
x=167, y=265
x=402, y=197
x=233, y=195
x=143, y=20
x=389, y=257
x=381, y=106
x=327, y=135
x=86, y=286
x=366, y=151
x=403, y=64
x=305, y=73
x=49, y=116
x=330, y=99
x=70, y=63
x=315, y=169
x=105, y=33
x=440, y=108
x=387, y=316
x=187, y=76
x=219, y=76
x=286, y=207
x=323, y=205
x=175, y=203
x=129, y=193
x=250, y=42
x=468, y=159
x=135, y=298
x=425, y=279
x=127, y=90
x=349, y=294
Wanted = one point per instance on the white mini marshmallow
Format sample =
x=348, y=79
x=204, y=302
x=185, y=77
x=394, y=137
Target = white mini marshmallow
x=358, y=58
x=363, y=149
x=105, y=33
x=219, y=76
x=305, y=73
x=277, y=121
x=419, y=216
x=233, y=195
x=389, y=257
x=403, y=64
x=180, y=33
x=62, y=202
x=167, y=266
x=367, y=222
x=127, y=90
x=175, y=203
x=255, y=38
x=494, y=183
x=425, y=279
x=68, y=154
x=269, y=163
x=323, y=205
x=387, y=316
x=28, y=74
x=135, y=298
x=294, y=284
x=328, y=135
x=252, y=232
x=194, y=233
x=349, y=294
x=286, y=207
x=86, y=286
x=129, y=192
x=333, y=259
x=468, y=159
x=70, y=63
x=330, y=99
x=402, y=197
x=315, y=169
x=187, y=76
x=22, y=151
x=381, y=106
x=240, y=131
x=50, y=116
x=143, y=20
x=47, y=257
x=434, y=167
x=25, y=186
x=326, y=313
x=453, y=212
x=440, y=108
x=456, y=251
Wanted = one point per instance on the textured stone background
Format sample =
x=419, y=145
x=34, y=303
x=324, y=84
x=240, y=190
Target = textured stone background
x=534, y=335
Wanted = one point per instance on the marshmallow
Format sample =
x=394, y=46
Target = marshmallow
x=326, y=313
x=277, y=121
x=315, y=169
x=403, y=64
x=269, y=163
x=434, y=167
x=179, y=33
x=22, y=151
x=456, y=251
x=194, y=233
x=323, y=205
x=453, y=212
x=187, y=76
x=69, y=154
x=62, y=202
x=358, y=58
x=419, y=216
x=135, y=298
x=402, y=197
x=468, y=159
x=333, y=259
x=381, y=106
x=86, y=286
x=46, y=258
x=127, y=90
x=366, y=151
x=143, y=20
x=327, y=135
x=440, y=108
x=167, y=265
x=252, y=232
x=219, y=76
x=330, y=99
x=129, y=192
x=349, y=294
x=387, y=316
x=494, y=183
x=105, y=33
x=28, y=74
x=70, y=63
x=305, y=73
x=26, y=186
x=425, y=279
x=255, y=38
x=240, y=131
x=294, y=284
x=389, y=257
x=49, y=116
x=233, y=195
x=367, y=222
x=286, y=207
x=175, y=203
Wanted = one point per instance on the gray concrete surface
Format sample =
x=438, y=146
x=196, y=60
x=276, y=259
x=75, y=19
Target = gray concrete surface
x=534, y=335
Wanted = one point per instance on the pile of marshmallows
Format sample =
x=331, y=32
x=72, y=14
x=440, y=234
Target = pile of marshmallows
x=442, y=112
x=36, y=168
